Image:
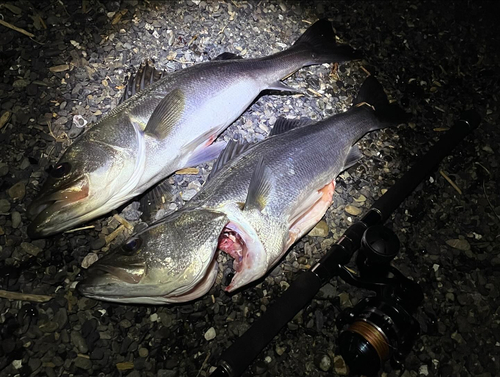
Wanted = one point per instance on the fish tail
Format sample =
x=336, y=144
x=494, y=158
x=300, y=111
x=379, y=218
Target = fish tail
x=372, y=94
x=320, y=45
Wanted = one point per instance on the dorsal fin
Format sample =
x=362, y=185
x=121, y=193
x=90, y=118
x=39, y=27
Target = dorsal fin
x=227, y=56
x=260, y=188
x=232, y=150
x=166, y=114
x=146, y=75
x=283, y=125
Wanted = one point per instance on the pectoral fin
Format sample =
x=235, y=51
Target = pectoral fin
x=260, y=188
x=166, y=115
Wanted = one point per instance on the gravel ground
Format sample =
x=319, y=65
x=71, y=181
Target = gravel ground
x=435, y=58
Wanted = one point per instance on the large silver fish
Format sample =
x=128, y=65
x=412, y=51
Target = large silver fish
x=169, y=125
x=256, y=203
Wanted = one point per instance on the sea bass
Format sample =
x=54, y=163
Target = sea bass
x=257, y=202
x=169, y=125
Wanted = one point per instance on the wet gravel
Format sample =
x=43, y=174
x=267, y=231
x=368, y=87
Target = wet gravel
x=434, y=58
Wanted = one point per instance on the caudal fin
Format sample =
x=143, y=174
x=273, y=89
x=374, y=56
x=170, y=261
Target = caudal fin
x=372, y=93
x=319, y=42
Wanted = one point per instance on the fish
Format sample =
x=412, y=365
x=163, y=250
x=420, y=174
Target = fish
x=168, y=125
x=256, y=203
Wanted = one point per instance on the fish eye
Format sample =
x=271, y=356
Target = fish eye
x=60, y=170
x=132, y=245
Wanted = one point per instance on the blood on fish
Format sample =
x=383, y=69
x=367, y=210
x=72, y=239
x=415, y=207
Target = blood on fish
x=231, y=243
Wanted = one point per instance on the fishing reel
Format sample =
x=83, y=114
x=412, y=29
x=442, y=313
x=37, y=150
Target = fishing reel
x=382, y=327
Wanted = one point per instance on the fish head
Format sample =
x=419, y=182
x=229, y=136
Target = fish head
x=172, y=261
x=79, y=187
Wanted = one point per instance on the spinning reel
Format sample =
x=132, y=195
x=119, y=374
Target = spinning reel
x=381, y=327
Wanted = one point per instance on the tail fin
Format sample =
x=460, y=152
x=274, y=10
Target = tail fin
x=319, y=41
x=372, y=93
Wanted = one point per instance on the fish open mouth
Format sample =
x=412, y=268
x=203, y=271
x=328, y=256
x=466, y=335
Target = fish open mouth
x=249, y=257
x=231, y=243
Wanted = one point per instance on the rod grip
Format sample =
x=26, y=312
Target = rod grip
x=245, y=349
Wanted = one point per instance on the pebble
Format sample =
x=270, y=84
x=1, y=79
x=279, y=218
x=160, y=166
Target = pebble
x=320, y=230
x=17, y=191
x=79, y=342
x=83, y=363
x=16, y=219
x=340, y=366
x=49, y=327
x=98, y=243
x=4, y=206
x=459, y=244
x=210, y=334
x=324, y=362
x=143, y=352
x=351, y=210
x=30, y=248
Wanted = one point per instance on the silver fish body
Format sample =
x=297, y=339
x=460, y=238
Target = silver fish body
x=169, y=125
x=268, y=197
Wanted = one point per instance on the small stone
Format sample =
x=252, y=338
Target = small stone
x=16, y=219
x=79, y=342
x=17, y=191
x=351, y=210
x=345, y=301
x=30, y=248
x=360, y=199
x=5, y=118
x=125, y=323
x=59, y=68
x=340, y=366
x=34, y=363
x=320, y=230
x=153, y=317
x=423, y=370
x=125, y=365
x=188, y=194
x=98, y=243
x=89, y=260
x=459, y=244
x=4, y=206
x=328, y=291
x=280, y=350
x=143, y=352
x=210, y=334
x=48, y=327
x=324, y=363
x=61, y=318
x=83, y=363
x=21, y=83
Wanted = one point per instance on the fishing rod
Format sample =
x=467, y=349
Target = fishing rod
x=370, y=327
